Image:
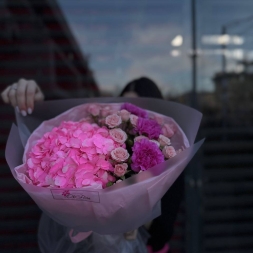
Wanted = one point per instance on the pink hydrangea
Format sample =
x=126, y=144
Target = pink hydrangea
x=148, y=127
x=146, y=154
x=105, y=177
x=73, y=155
x=103, y=145
x=84, y=179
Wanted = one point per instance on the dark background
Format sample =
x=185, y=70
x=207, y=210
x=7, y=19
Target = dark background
x=216, y=215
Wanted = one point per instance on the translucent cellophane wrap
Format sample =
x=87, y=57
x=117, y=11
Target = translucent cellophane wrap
x=54, y=238
x=122, y=207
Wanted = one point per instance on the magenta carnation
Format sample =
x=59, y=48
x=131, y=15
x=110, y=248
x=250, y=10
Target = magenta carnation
x=134, y=110
x=146, y=154
x=148, y=127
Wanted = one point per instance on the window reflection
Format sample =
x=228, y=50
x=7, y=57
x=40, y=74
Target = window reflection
x=129, y=39
x=84, y=48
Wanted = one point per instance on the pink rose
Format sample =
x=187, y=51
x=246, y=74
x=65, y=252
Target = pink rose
x=103, y=145
x=113, y=120
x=159, y=119
x=93, y=109
x=167, y=130
x=124, y=114
x=169, y=152
x=118, y=135
x=163, y=140
x=106, y=110
x=133, y=119
x=156, y=142
x=138, y=138
x=120, y=169
x=119, y=154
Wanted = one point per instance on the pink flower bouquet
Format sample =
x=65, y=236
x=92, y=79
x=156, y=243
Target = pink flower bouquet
x=100, y=150
x=87, y=163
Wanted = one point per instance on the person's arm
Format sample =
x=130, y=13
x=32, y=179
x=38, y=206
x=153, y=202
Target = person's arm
x=22, y=95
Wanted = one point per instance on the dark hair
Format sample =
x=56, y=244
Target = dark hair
x=144, y=87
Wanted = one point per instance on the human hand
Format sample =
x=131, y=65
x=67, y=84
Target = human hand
x=22, y=95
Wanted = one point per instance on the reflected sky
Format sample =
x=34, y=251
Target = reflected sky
x=126, y=39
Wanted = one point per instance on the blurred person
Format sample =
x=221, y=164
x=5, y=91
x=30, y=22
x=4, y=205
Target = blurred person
x=141, y=87
x=22, y=96
x=161, y=228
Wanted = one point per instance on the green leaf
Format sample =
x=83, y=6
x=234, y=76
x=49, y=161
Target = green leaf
x=109, y=184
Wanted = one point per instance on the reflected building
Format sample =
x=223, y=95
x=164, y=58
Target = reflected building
x=206, y=102
x=231, y=102
x=234, y=96
x=36, y=43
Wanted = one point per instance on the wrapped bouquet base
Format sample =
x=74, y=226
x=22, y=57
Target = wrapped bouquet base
x=53, y=237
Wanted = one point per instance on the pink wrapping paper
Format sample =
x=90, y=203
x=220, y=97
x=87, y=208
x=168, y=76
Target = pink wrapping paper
x=121, y=207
